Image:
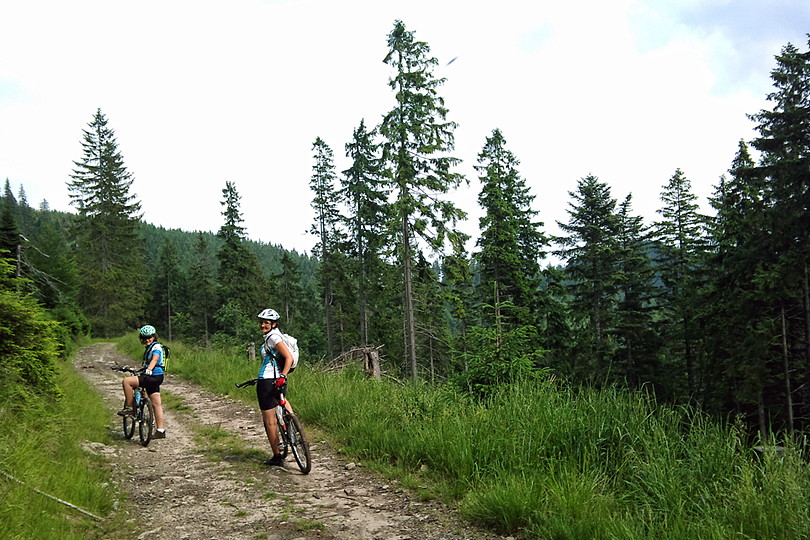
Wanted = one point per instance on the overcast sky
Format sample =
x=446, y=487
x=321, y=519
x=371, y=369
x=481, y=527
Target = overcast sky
x=203, y=92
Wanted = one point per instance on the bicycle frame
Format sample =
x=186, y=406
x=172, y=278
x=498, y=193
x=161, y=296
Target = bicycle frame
x=143, y=412
x=290, y=433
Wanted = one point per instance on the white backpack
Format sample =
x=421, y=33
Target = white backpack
x=289, y=341
x=291, y=344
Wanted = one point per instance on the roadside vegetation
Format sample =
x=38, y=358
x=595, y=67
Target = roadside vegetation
x=543, y=460
x=41, y=458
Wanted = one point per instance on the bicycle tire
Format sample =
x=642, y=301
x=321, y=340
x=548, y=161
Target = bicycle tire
x=283, y=447
x=129, y=426
x=146, y=420
x=298, y=443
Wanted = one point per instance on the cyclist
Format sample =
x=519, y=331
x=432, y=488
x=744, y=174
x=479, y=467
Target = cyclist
x=151, y=379
x=277, y=361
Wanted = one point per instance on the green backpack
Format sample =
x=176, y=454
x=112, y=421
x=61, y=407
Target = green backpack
x=164, y=360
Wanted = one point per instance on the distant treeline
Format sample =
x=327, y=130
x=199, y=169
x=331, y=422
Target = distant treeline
x=708, y=310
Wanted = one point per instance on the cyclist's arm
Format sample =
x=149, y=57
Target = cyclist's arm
x=153, y=362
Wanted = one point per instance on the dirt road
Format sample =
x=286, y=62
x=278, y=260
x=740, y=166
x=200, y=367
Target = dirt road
x=183, y=491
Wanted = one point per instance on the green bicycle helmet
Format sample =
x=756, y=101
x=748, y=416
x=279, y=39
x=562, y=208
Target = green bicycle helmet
x=148, y=330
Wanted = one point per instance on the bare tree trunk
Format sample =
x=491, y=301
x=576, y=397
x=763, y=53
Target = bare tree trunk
x=168, y=306
x=806, y=299
x=786, y=359
x=763, y=429
x=410, y=324
x=372, y=363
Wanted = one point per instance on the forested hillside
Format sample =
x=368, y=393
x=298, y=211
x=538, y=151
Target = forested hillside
x=710, y=310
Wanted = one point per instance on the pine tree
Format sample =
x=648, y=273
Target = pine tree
x=9, y=229
x=511, y=243
x=202, y=303
x=459, y=296
x=418, y=137
x=733, y=313
x=592, y=254
x=168, y=285
x=331, y=241
x=784, y=275
x=637, y=341
x=364, y=192
x=242, y=286
x=681, y=245
x=109, y=254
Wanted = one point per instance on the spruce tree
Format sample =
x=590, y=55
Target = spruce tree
x=109, y=252
x=417, y=141
x=9, y=229
x=591, y=252
x=784, y=275
x=364, y=192
x=681, y=245
x=330, y=246
x=732, y=311
x=242, y=286
x=202, y=303
x=168, y=286
x=511, y=243
x=637, y=340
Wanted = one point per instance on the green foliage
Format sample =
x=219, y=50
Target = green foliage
x=242, y=287
x=547, y=462
x=29, y=345
x=592, y=254
x=109, y=256
x=44, y=450
x=511, y=243
x=498, y=357
x=417, y=141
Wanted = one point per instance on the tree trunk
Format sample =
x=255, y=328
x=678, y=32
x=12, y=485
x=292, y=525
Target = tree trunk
x=786, y=358
x=763, y=429
x=410, y=324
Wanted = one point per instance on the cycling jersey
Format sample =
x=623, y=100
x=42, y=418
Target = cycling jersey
x=270, y=368
x=154, y=349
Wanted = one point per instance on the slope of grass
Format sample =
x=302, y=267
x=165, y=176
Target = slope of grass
x=545, y=461
x=41, y=447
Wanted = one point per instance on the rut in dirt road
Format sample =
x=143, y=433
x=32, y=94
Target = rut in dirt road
x=186, y=486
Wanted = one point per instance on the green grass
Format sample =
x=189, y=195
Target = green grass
x=544, y=461
x=41, y=446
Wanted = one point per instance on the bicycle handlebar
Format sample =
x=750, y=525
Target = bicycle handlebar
x=126, y=369
x=251, y=382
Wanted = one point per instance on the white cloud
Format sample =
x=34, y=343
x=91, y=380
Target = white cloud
x=201, y=92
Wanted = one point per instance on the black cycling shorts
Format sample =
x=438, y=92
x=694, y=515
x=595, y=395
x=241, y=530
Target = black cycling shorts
x=150, y=382
x=268, y=393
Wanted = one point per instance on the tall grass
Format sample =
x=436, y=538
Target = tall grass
x=41, y=446
x=545, y=461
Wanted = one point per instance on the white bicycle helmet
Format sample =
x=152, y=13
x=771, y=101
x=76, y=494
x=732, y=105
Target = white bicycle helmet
x=269, y=314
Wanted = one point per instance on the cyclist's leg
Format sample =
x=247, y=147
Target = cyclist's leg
x=152, y=384
x=157, y=404
x=267, y=395
x=269, y=419
x=129, y=384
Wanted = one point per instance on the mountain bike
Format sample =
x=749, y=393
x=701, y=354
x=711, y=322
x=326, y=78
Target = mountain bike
x=143, y=413
x=291, y=435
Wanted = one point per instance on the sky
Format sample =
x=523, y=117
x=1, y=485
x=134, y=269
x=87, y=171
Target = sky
x=202, y=92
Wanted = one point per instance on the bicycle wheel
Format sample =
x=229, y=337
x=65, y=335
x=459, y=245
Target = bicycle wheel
x=129, y=426
x=298, y=443
x=146, y=420
x=283, y=447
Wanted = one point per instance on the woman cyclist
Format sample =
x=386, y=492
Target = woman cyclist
x=277, y=361
x=151, y=379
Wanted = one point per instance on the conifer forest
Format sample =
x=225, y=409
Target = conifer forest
x=706, y=309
